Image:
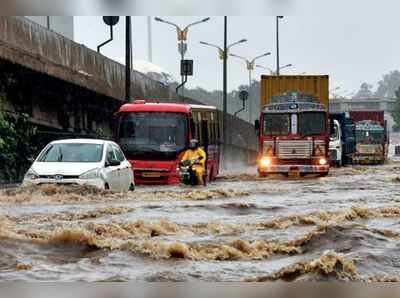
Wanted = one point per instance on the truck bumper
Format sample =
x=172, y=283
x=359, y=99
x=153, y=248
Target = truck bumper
x=367, y=159
x=287, y=169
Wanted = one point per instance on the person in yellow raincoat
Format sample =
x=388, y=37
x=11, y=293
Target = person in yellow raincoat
x=194, y=152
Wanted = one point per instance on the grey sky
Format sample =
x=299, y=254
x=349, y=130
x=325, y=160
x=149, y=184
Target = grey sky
x=351, y=48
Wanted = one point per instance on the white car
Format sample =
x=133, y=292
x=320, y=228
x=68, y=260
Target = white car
x=82, y=161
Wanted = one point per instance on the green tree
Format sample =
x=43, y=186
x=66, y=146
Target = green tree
x=388, y=86
x=365, y=91
x=7, y=149
x=17, y=144
x=396, y=112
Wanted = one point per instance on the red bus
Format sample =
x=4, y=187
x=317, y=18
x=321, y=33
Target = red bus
x=154, y=136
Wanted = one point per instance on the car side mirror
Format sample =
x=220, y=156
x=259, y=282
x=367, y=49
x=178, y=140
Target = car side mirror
x=113, y=163
x=257, y=126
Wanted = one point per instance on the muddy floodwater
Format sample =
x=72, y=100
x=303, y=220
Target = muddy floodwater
x=240, y=228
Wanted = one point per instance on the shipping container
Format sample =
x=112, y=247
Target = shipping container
x=315, y=85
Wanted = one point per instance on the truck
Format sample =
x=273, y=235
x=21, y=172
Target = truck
x=342, y=139
x=372, y=137
x=293, y=128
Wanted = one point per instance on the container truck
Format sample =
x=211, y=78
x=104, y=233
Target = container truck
x=372, y=137
x=342, y=139
x=293, y=126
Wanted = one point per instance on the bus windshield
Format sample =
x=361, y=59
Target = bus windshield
x=276, y=124
x=312, y=123
x=369, y=136
x=153, y=135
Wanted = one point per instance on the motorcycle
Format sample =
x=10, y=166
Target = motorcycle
x=187, y=173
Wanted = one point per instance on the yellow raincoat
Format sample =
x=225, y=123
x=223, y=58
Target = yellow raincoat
x=200, y=167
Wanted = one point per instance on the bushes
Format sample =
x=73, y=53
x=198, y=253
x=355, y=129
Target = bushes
x=16, y=144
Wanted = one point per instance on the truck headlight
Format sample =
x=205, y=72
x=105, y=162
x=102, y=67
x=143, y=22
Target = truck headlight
x=31, y=175
x=92, y=174
x=265, y=162
x=322, y=161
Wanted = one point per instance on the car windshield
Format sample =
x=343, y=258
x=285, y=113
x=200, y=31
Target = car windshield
x=153, y=135
x=276, y=124
x=72, y=152
x=312, y=123
x=369, y=136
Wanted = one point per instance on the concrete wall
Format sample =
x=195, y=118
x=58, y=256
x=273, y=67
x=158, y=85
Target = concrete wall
x=63, y=25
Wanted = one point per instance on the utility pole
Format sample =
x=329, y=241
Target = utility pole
x=277, y=44
x=225, y=88
x=150, y=39
x=128, y=56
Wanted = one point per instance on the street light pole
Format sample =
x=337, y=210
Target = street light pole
x=128, y=57
x=182, y=37
x=250, y=63
x=277, y=44
x=223, y=55
x=271, y=70
x=225, y=86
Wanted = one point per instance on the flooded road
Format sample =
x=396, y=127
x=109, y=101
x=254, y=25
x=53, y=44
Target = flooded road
x=241, y=228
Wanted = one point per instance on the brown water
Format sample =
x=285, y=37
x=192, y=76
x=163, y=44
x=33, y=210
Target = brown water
x=241, y=228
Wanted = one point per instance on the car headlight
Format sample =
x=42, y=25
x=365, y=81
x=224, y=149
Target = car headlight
x=31, y=175
x=265, y=162
x=322, y=161
x=92, y=174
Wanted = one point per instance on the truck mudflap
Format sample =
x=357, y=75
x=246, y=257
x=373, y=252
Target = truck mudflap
x=301, y=169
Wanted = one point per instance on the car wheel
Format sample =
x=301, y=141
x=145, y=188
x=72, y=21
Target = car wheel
x=106, y=186
x=132, y=187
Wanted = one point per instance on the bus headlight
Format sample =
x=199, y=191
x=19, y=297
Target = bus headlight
x=265, y=162
x=322, y=161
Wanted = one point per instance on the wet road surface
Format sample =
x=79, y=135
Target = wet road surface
x=241, y=228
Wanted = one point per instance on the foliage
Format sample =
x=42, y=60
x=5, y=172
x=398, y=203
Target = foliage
x=16, y=144
x=388, y=86
x=365, y=91
x=396, y=112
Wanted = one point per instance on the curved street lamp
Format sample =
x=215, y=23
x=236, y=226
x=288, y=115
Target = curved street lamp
x=250, y=63
x=272, y=72
x=182, y=35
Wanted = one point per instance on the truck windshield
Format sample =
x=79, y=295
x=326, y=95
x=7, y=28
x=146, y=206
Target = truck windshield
x=369, y=136
x=153, y=135
x=276, y=124
x=312, y=123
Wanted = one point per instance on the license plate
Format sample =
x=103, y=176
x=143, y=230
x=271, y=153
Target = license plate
x=151, y=175
x=295, y=172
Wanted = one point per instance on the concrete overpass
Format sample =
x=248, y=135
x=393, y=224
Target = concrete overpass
x=65, y=87
x=338, y=105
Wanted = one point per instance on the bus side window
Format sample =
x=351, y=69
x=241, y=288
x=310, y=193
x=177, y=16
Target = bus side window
x=192, y=127
x=197, y=125
x=204, y=136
